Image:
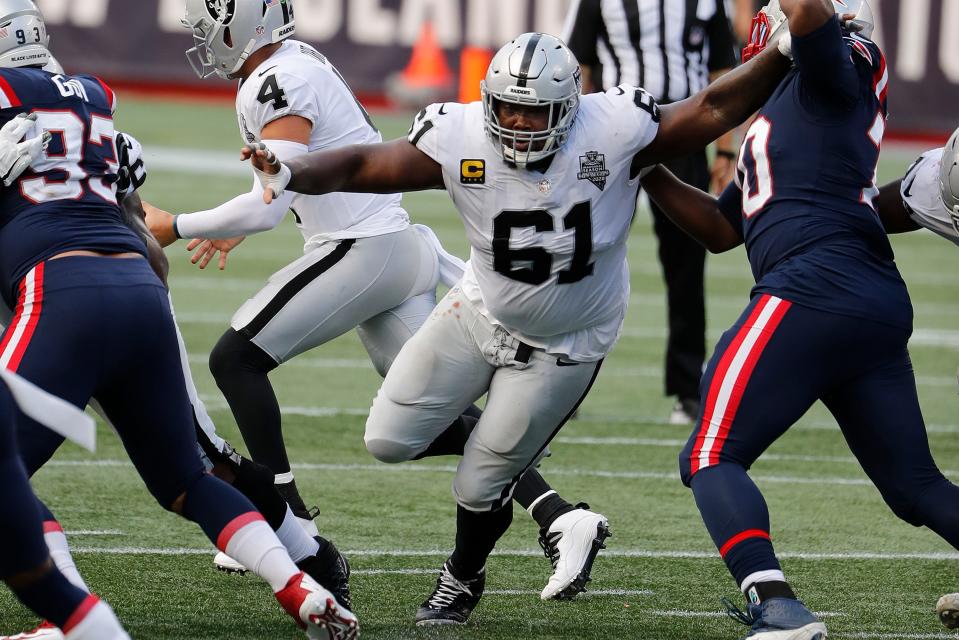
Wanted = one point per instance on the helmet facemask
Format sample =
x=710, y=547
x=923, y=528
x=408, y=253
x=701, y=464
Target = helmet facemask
x=539, y=144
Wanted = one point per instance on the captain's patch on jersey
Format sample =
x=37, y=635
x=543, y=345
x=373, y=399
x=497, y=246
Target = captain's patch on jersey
x=592, y=167
x=473, y=171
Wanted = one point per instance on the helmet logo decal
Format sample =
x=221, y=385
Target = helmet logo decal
x=221, y=10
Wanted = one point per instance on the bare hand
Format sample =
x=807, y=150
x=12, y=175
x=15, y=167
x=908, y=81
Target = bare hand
x=160, y=224
x=206, y=250
x=721, y=174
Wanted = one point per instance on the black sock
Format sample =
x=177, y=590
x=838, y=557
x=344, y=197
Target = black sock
x=762, y=591
x=292, y=496
x=476, y=535
x=549, y=508
x=241, y=371
x=452, y=441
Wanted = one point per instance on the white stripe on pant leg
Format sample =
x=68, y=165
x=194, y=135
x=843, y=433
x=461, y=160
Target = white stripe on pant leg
x=23, y=321
x=732, y=377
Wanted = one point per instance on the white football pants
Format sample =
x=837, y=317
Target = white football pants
x=456, y=357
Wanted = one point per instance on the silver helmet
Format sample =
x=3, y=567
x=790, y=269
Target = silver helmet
x=23, y=35
x=535, y=70
x=949, y=175
x=226, y=32
x=864, y=22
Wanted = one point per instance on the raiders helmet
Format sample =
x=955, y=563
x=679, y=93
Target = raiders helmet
x=23, y=37
x=226, y=32
x=949, y=175
x=536, y=70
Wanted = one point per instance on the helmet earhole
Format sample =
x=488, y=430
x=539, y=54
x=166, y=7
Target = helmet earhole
x=227, y=38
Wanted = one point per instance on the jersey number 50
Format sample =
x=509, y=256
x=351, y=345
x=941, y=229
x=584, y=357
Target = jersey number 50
x=81, y=143
x=538, y=259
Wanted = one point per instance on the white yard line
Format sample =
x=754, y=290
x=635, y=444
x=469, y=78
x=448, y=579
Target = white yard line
x=536, y=553
x=589, y=593
x=897, y=636
x=94, y=532
x=682, y=613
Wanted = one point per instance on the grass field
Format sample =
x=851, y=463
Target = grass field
x=871, y=575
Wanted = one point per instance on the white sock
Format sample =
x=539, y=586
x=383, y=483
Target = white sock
x=60, y=553
x=296, y=540
x=770, y=575
x=249, y=540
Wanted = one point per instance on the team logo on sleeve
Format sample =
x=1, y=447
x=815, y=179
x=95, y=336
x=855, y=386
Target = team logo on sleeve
x=473, y=171
x=221, y=10
x=592, y=167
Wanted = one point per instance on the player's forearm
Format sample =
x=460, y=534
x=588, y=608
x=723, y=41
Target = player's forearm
x=805, y=16
x=134, y=217
x=242, y=216
x=694, y=211
x=735, y=96
x=892, y=211
x=325, y=171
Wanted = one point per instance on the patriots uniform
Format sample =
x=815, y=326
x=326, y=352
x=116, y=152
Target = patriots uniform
x=547, y=248
x=68, y=200
x=297, y=80
x=920, y=194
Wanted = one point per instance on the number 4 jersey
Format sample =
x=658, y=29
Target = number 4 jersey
x=548, y=244
x=67, y=200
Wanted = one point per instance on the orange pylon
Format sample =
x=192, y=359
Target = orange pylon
x=474, y=62
x=427, y=66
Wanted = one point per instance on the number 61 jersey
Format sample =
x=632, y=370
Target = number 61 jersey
x=67, y=199
x=548, y=242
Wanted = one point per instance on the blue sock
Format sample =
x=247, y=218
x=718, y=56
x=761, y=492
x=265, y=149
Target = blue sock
x=213, y=504
x=52, y=597
x=737, y=518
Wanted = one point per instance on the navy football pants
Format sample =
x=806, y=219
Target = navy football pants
x=90, y=327
x=766, y=372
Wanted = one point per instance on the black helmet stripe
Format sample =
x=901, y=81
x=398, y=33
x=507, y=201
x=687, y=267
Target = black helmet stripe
x=528, y=59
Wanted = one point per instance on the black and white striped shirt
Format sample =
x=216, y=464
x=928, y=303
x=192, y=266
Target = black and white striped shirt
x=668, y=47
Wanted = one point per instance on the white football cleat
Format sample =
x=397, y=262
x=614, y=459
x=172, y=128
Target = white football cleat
x=315, y=610
x=948, y=610
x=97, y=623
x=46, y=631
x=225, y=563
x=571, y=544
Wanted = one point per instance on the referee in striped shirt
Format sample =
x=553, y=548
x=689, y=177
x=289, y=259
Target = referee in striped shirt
x=673, y=49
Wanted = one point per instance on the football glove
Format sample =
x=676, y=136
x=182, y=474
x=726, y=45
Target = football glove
x=132, y=173
x=277, y=176
x=16, y=156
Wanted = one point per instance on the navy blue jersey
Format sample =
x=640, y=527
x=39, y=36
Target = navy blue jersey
x=66, y=200
x=806, y=180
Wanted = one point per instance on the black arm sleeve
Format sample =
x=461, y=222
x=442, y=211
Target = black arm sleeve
x=583, y=28
x=825, y=65
x=722, y=42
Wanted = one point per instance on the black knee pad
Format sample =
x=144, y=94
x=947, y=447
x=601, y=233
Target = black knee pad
x=235, y=353
x=255, y=481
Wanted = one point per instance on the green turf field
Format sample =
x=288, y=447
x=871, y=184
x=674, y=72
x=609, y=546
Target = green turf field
x=846, y=554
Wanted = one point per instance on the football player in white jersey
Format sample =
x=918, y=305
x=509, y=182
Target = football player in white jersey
x=545, y=181
x=364, y=266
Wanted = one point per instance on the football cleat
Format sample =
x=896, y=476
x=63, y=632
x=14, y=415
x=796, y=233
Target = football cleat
x=96, y=622
x=685, y=412
x=452, y=601
x=571, y=543
x=330, y=568
x=315, y=610
x=225, y=563
x=948, y=610
x=778, y=619
x=46, y=631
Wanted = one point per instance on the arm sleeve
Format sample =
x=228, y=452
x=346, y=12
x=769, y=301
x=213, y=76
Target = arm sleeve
x=826, y=65
x=722, y=42
x=582, y=28
x=245, y=214
x=730, y=204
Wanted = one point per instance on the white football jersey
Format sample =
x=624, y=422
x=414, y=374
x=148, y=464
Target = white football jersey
x=548, y=247
x=299, y=81
x=921, y=195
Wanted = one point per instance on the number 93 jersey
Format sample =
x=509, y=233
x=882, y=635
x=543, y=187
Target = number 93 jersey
x=67, y=199
x=297, y=80
x=548, y=242
x=920, y=194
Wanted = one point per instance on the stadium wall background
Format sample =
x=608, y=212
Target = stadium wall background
x=142, y=42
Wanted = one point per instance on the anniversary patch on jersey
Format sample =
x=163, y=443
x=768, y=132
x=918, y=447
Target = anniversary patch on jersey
x=221, y=10
x=592, y=167
x=472, y=171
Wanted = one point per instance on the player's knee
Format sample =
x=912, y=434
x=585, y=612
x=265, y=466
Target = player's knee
x=474, y=493
x=390, y=451
x=918, y=504
x=235, y=354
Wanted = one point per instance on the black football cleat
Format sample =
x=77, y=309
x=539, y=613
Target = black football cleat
x=452, y=601
x=331, y=569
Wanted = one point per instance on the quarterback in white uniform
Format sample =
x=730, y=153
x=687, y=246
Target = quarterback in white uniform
x=364, y=266
x=545, y=181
